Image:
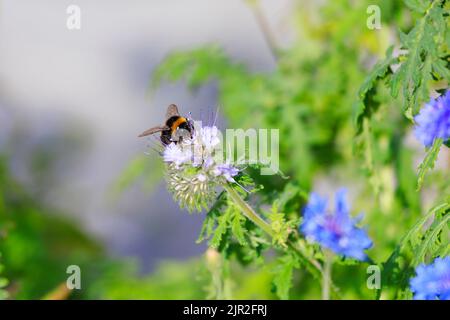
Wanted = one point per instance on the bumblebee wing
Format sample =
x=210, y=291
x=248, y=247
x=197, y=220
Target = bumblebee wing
x=172, y=111
x=152, y=131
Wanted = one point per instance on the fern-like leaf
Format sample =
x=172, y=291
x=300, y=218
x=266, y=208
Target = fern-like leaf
x=363, y=107
x=428, y=162
x=422, y=44
x=283, y=274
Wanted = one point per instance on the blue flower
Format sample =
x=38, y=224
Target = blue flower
x=433, y=121
x=334, y=230
x=432, y=281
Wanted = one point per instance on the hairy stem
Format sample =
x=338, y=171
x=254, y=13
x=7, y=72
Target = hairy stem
x=312, y=265
x=326, y=275
x=247, y=210
x=264, y=26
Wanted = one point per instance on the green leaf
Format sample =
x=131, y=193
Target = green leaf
x=223, y=215
x=428, y=162
x=283, y=272
x=379, y=71
x=222, y=226
x=207, y=229
x=237, y=226
x=423, y=44
x=430, y=240
x=440, y=67
x=419, y=6
x=413, y=247
x=210, y=220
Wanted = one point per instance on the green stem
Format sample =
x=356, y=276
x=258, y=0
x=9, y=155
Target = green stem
x=326, y=275
x=312, y=265
x=264, y=26
x=248, y=211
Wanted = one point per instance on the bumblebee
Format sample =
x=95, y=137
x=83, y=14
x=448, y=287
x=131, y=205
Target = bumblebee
x=175, y=129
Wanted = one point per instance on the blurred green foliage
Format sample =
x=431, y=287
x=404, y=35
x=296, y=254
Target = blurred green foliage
x=36, y=244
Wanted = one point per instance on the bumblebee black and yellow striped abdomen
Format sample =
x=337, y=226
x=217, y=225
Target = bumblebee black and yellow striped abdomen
x=174, y=123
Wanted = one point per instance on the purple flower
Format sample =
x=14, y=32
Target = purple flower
x=176, y=154
x=433, y=121
x=334, y=230
x=210, y=137
x=432, y=281
x=226, y=170
x=193, y=169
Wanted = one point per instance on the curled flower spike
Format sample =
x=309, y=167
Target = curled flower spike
x=432, y=281
x=193, y=173
x=334, y=230
x=433, y=121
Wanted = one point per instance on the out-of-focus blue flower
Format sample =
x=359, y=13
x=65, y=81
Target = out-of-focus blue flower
x=226, y=170
x=432, y=281
x=334, y=229
x=433, y=121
